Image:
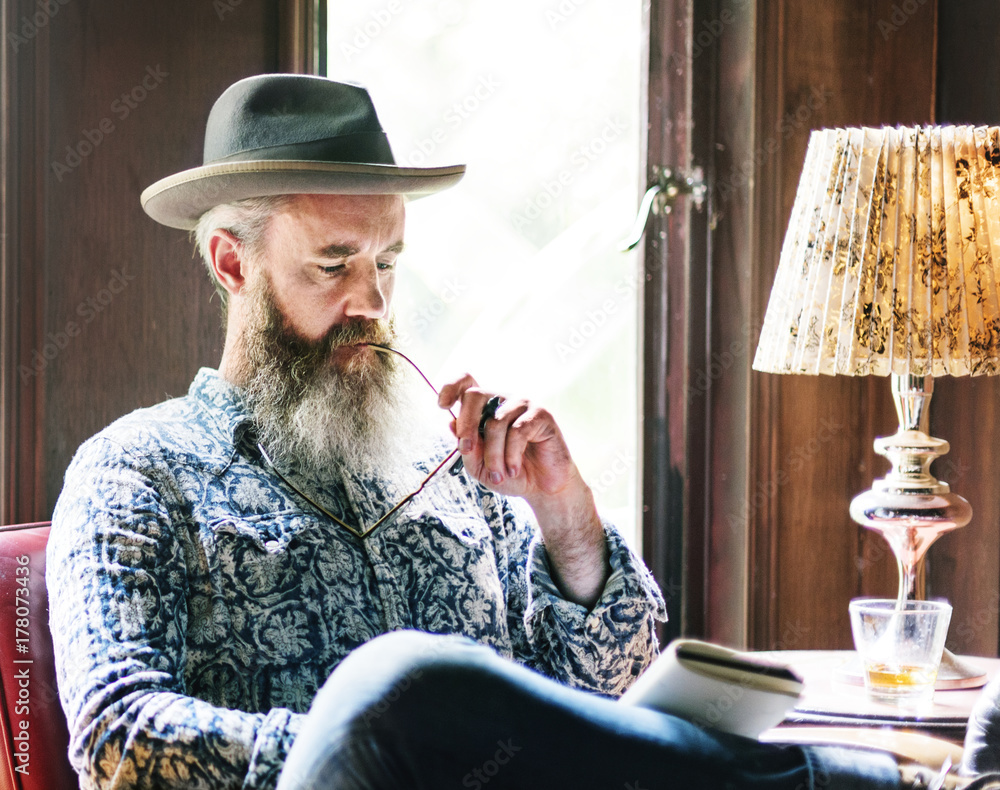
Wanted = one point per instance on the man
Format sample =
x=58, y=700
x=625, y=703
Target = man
x=232, y=607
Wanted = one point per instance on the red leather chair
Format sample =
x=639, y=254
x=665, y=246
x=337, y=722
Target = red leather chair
x=33, y=733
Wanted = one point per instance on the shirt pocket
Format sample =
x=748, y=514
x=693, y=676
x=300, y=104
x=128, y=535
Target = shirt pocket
x=444, y=564
x=262, y=571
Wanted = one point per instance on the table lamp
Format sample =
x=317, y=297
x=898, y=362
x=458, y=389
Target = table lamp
x=890, y=266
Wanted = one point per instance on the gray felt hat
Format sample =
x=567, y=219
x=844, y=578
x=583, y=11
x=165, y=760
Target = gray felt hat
x=278, y=134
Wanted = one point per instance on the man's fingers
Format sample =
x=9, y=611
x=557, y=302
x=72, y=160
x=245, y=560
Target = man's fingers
x=453, y=391
x=470, y=399
x=494, y=443
x=530, y=425
x=498, y=459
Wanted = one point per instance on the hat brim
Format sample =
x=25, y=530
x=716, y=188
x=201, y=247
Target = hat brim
x=179, y=200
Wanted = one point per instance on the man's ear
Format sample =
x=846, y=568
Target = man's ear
x=228, y=260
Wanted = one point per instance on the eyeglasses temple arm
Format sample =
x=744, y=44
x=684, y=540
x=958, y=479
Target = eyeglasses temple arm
x=457, y=467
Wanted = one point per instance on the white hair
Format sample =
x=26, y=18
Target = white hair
x=246, y=219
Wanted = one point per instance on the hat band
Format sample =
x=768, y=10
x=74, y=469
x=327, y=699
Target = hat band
x=359, y=147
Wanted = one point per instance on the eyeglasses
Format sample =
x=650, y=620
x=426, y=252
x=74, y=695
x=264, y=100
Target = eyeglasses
x=454, y=468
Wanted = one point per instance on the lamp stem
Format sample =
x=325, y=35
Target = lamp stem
x=912, y=396
x=909, y=506
x=912, y=508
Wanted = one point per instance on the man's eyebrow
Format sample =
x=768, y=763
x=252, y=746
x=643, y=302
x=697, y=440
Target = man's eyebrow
x=347, y=250
x=337, y=251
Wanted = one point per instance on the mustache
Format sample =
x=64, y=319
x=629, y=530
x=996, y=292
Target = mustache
x=359, y=331
x=353, y=332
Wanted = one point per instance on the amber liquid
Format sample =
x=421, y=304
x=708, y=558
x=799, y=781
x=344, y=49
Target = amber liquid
x=900, y=680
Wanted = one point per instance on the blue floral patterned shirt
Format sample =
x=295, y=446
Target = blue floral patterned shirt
x=198, y=603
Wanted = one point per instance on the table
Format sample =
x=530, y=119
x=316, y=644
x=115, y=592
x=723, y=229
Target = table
x=831, y=711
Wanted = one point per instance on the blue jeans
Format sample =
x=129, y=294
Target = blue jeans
x=413, y=711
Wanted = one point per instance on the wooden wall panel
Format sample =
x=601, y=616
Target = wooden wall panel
x=749, y=476
x=23, y=135
x=112, y=310
x=964, y=566
x=721, y=382
x=820, y=65
x=665, y=358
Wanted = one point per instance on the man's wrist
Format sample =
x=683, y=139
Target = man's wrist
x=574, y=542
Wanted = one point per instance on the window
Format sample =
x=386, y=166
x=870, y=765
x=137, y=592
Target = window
x=516, y=276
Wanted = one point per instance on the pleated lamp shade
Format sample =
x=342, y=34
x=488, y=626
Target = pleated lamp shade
x=891, y=261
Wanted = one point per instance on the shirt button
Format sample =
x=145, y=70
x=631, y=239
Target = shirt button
x=271, y=545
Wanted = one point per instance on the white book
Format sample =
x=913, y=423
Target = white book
x=714, y=686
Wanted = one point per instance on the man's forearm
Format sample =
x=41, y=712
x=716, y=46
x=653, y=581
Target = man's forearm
x=574, y=542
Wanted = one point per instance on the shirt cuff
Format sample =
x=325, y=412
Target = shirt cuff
x=274, y=738
x=630, y=587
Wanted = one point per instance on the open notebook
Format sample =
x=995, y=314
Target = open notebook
x=714, y=686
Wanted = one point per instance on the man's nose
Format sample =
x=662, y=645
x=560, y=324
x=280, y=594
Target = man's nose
x=366, y=297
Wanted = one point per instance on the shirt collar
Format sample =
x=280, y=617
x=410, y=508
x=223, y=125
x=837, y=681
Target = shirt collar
x=225, y=406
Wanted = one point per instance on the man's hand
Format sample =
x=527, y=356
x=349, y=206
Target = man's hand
x=522, y=453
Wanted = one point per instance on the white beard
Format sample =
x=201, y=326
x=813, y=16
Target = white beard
x=323, y=417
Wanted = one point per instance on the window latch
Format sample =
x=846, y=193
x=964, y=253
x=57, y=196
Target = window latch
x=660, y=197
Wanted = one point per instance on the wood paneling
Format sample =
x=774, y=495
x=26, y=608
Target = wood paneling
x=756, y=472
x=722, y=380
x=851, y=64
x=749, y=476
x=25, y=49
x=968, y=77
x=820, y=65
x=964, y=566
x=105, y=310
x=664, y=351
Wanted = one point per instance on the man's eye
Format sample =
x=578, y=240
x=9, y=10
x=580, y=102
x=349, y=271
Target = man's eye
x=387, y=265
x=332, y=269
